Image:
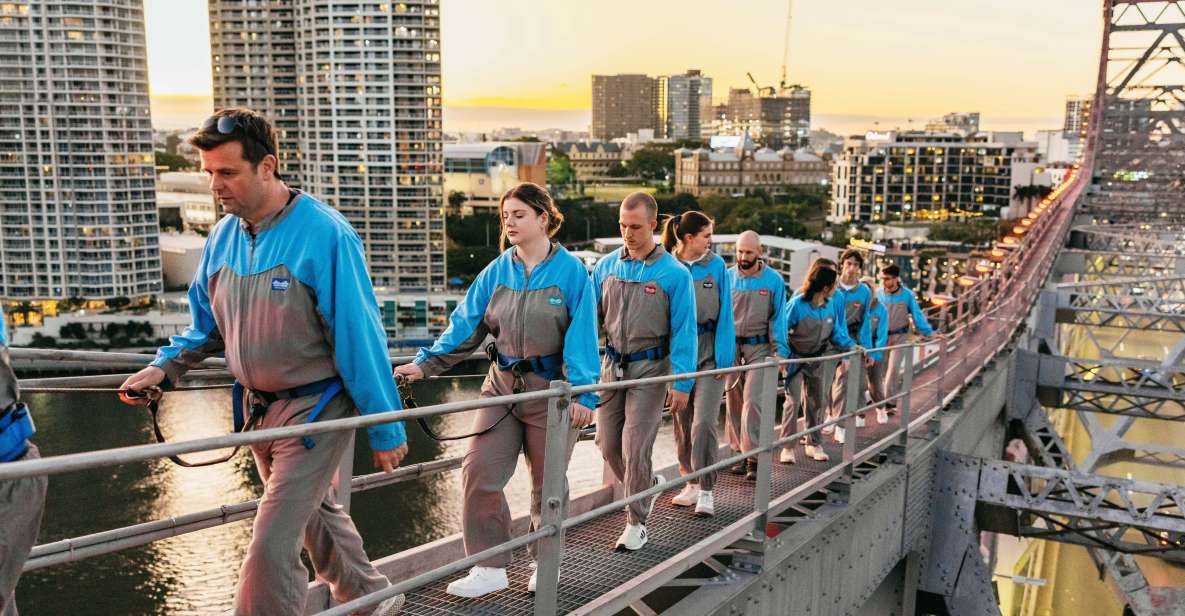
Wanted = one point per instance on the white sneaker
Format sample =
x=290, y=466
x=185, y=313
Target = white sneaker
x=882, y=416
x=704, y=505
x=657, y=480
x=839, y=435
x=390, y=606
x=533, y=582
x=859, y=421
x=688, y=497
x=632, y=538
x=816, y=453
x=787, y=456
x=480, y=581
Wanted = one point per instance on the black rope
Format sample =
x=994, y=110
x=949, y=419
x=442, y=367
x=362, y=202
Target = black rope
x=154, y=410
x=409, y=402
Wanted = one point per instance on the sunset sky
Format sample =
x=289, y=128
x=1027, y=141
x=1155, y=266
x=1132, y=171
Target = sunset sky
x=528, y=62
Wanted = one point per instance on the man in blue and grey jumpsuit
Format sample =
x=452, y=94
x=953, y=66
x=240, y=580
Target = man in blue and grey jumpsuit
x=759, y=310
x=855, y=298
x=21, y=500
x=902, y=308
x=647, y=309
x=878, y=319
x=283, y=290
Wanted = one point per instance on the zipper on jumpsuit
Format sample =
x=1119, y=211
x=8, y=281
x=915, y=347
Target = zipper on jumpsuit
x=617, y=369
x=519, y=383
x=243, y=306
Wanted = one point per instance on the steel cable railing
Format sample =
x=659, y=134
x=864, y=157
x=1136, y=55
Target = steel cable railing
x=973, y=338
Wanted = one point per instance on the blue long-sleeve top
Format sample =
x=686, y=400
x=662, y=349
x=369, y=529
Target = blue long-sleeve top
x=863, y=294
x=551, y=311
x=632, y=324
x=290, y=302
x=771, y=283
x=710, y=277
x=901, y=305
x=801, y=316
x=880, y=333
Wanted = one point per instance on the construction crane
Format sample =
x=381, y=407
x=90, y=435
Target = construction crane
x=783, y=84
x=761, y=91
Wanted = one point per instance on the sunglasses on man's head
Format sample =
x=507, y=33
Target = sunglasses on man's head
x=228, y=124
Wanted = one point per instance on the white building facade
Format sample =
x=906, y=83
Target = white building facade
x=77, y=202
x=355, y=91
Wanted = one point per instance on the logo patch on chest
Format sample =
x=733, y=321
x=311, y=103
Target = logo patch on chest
x=763, y=292
x=708, y=284
x=281, y=284
x=650, y=289
x=555, y=300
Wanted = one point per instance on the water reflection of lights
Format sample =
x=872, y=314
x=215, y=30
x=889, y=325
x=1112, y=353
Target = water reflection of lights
x=201, y=568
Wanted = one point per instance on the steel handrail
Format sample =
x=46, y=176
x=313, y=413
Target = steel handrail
x=84, y=460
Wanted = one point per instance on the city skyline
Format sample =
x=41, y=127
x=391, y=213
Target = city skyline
x=544, y=80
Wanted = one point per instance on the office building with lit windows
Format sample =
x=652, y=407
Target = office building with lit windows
x=354, y=89
x=881, y=177
x=77, y=199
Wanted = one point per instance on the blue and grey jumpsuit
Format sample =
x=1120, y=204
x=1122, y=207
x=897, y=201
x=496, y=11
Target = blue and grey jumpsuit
x=878, y=319
x=901, y=307
x=811, y=329
x=22, y=501
x=544, y=328
x=696, y=438
x=855, y=302
x=647, y=310
x=291, y=304
x=759, y=311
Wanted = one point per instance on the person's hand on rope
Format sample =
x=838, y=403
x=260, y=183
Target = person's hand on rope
x=412, y=372
x=142, y=387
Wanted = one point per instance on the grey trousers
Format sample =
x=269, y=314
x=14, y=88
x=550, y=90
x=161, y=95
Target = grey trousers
x=627, y=423
x=743, y=419
x=298, y=507
x=839, y=389
x=489, y=464
x=808, y=390
x=876, y=381
x=696, y=437
x=21, y=503
x=889, y=368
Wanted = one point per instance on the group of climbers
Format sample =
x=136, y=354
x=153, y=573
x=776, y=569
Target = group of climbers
x=282, y=291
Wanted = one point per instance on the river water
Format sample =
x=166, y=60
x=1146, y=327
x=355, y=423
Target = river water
x=196, y=573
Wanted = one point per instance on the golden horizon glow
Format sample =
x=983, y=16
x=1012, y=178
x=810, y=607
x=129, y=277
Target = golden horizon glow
x=1008, y=59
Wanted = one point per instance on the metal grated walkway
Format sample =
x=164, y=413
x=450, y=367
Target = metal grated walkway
x=591, y=568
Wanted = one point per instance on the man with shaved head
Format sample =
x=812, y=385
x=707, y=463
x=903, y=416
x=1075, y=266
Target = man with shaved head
x=759, y=311
x=646, y=307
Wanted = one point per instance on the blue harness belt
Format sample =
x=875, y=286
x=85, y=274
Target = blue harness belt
x=327, y=388
x=758, y=339
x=16, y=426
x=654, y=353
x=546, y=366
